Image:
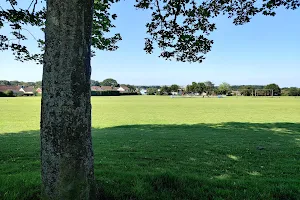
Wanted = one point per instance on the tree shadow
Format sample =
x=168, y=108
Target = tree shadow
x=198, y=161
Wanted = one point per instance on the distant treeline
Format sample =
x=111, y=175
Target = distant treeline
x=207, y=86
x=37, y=84
x=238, y=87
x=148, y=86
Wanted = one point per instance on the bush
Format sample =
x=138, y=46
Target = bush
x=105, y=93
x=2, y=94
x=293, y=91
x=9, y=93
x=19, y=94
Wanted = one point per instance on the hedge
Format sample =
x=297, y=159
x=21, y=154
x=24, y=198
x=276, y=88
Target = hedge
x=2, y=94
x=131, y=93
x=105, y=93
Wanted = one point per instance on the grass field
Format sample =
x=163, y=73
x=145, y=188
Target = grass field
x=162, y=148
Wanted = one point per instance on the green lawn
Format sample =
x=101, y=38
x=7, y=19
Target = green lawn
x=163, y=148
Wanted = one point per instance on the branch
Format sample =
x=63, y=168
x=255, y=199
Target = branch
x=30, y=4
x=160, y=15
x=177, y=12
x=162, y=20
x=12, y=5
x=29, y=33
x=34, y=6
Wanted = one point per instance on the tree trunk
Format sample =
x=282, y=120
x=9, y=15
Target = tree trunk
x=66, y=143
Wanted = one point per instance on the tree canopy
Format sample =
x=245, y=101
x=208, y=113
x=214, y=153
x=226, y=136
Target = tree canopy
x=180, y=29
x=19, y=18
x=109, y=82
x=95, y=83
x=151, y=91
x=276, y=89
x=209, y=87
x=247, y=90
x=293, y=91
x=174, y=88
x=165, y=90
x=224, y=88
x=196, y=88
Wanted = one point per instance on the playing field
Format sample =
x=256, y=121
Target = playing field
x=150, y=147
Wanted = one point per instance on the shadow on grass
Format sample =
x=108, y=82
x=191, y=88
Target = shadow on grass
x=202, y=161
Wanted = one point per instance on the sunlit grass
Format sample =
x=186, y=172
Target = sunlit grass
x=163, y=148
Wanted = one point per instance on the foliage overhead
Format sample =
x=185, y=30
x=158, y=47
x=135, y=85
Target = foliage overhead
x=180, y=28
x=19, y=18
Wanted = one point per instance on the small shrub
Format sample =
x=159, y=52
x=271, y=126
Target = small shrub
x=2, y=94
x=19, y=94
x=9, y=93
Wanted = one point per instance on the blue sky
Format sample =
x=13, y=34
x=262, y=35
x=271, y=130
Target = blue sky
x=266, y=50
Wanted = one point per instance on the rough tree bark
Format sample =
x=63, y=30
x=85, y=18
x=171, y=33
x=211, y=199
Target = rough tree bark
x=66, y=145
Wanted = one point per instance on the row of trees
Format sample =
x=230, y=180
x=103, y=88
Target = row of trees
x=292, y=91
x=226, y=89
x=199, y=88
x=111, y=82
x=105, y=82
x=209, y=88
x=249, y=90
x=37, y=84
x=164, y=90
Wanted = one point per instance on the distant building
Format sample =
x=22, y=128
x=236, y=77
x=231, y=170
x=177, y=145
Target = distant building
x=39, y=90
x=109, y=88
x=96, y=88
x=27, y=91
x=103, y=88
x=143, y=92
x=123, y=89
x=14, y=89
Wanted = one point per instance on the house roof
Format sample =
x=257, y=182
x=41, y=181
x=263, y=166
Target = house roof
x=96, y=88
x=4, y=88
x=124, y=87
x=28, y=89
x=109, y=88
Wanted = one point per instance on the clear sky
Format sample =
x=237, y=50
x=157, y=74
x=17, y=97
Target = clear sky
x=266, y=50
